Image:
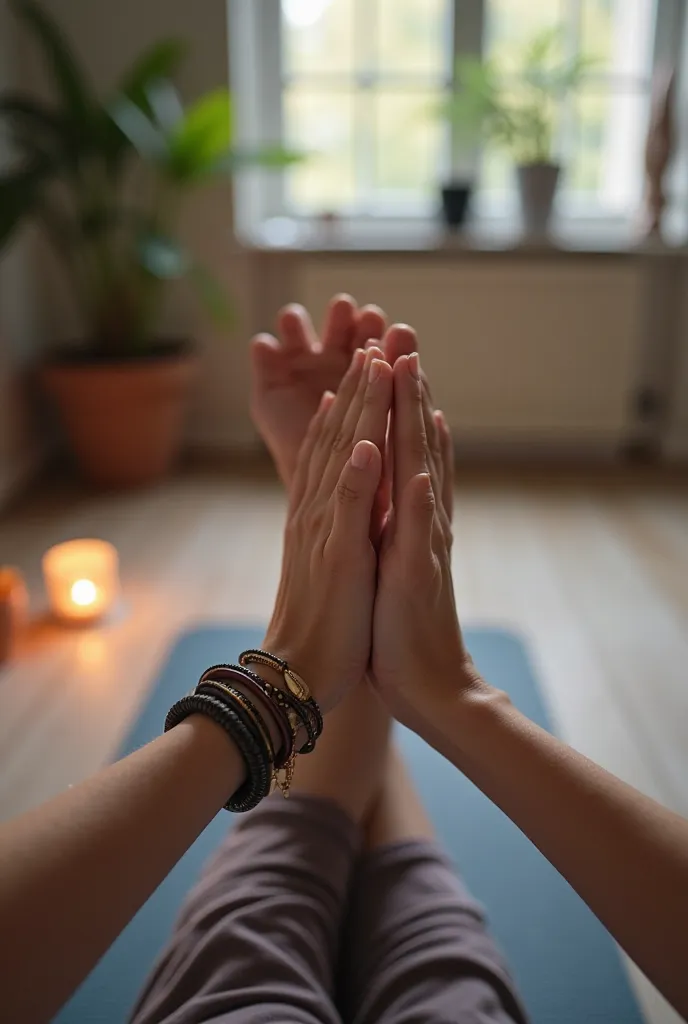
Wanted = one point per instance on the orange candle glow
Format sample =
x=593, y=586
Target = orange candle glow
x=81, y=579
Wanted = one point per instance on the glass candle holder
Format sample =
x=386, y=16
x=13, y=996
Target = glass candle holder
x=81, y=580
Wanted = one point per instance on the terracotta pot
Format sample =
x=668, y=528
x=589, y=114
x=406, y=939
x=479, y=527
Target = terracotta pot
x=123, y=419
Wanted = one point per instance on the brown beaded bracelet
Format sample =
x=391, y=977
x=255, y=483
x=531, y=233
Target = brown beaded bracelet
x=296, y=686
x=295, y=683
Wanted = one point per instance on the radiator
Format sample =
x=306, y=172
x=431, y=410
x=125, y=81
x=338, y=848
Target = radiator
x=518, y=350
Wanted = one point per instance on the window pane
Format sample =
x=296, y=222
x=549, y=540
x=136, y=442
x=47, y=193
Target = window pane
x=510, y=23
x=606, y=167
x=409, y=147
x=318, y=36
x=321, y=123
x=619, y=35
x=415, y=36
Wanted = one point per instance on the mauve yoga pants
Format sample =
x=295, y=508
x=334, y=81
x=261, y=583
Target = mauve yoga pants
x=291, y=922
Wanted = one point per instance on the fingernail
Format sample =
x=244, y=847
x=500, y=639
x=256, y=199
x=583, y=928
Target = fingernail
x=414, y=365
x=358, y=358
x=375, y=370
x=360, y=458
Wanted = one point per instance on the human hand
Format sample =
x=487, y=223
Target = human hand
x=322, y=623
x=289, y=375
x=419, y=661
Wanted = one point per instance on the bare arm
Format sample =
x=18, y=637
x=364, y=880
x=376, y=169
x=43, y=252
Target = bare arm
x=623, y=853
x=74, y=871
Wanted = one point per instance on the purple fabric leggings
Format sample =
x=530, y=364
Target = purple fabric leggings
x=291, y=922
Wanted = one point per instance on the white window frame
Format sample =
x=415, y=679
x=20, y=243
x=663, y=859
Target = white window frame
x=257, y=76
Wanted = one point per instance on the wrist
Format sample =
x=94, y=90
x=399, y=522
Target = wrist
x=217, y=756
x=465, y=722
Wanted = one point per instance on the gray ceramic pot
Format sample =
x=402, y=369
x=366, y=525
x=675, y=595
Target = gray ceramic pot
x=537, y=186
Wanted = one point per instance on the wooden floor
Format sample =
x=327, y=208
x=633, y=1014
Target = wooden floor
x=592, y=571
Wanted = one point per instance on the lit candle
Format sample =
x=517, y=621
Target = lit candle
x=81, y=578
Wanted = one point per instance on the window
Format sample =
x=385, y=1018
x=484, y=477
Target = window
x=355, y=83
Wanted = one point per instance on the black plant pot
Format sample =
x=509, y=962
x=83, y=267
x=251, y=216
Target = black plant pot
x=456, y=199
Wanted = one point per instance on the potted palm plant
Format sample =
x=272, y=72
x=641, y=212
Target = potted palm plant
x=517, y=104
x=106, y=181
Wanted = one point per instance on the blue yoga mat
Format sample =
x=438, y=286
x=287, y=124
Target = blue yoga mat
x=565, y=963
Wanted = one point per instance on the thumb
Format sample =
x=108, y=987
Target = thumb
x=355, y=496
x=415, y=519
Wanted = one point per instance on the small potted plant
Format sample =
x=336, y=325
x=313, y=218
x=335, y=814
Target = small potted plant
x=106, y=181
x=517, y=105
x=468, y=110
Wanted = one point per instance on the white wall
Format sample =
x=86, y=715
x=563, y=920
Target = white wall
x=19, y=449
x=557, y=349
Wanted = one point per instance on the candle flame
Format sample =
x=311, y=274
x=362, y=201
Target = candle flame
x=83, y=593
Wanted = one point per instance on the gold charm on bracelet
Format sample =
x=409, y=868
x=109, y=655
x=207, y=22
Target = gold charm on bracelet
x=284, y=784
x=296, y=684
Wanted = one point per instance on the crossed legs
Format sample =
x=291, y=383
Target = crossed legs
x=335, y=905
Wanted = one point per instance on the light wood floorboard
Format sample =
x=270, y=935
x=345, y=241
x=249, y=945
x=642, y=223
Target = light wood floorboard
x=592, y=572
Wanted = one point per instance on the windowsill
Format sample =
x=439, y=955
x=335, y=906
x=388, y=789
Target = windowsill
x=485, y=236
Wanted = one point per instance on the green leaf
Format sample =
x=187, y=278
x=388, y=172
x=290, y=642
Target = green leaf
x=165, y=105
x=163, y=258
x=143, y=135
x=159, y=63
x=202, y=138
x=213, y=296
x=69, y=78
x=19, y=193
x=271, y=157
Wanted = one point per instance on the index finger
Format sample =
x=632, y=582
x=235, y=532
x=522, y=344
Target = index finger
x=410, y=439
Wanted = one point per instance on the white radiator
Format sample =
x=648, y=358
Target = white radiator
x=518, y=350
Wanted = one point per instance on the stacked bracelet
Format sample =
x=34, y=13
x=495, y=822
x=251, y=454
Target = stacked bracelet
x=245, y=709
x=254, y=753
x=296, y=686
x=231, y=675
x=225, y=693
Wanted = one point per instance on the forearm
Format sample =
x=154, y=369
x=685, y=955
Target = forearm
x=74, y=871
x=626, y=855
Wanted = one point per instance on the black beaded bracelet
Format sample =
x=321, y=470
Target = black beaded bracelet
x=295, y=685
x=301, y=709
x=307, y=712
x=257, y=785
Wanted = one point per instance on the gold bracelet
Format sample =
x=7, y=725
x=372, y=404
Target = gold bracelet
x=296, y=685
